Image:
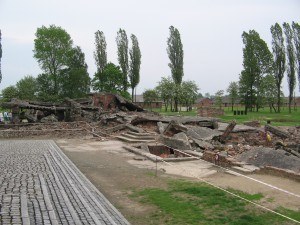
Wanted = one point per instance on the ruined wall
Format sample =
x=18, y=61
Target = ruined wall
x=211, y=157
x=210, y=112
x=106, y=101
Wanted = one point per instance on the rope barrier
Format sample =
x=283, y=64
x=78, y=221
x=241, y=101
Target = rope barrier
x=247, y=177
x=229, y=192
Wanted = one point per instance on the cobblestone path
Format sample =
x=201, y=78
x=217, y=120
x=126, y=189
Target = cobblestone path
x=40, y=185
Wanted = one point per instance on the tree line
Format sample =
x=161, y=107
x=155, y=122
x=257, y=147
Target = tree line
x=260, y=81
x=65, y=70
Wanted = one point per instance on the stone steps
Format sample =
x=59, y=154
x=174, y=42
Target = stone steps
x=137, y=137
x=132, y=137
x=141, y=134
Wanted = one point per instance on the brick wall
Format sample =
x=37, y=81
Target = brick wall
x=210, y=112
x=106, y=101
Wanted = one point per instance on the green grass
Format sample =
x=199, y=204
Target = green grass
x=263, y=115
x=251, y=197
x=197, y=203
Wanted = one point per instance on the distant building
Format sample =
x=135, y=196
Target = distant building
x=139, y=100
x=204, y=102
x=297, y=101
x=226, y=101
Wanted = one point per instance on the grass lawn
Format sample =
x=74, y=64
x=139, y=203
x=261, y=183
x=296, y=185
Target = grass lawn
x=197, y=203
x=284, y=118
x=277, y=119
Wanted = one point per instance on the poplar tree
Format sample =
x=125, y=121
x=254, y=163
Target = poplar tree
x=100, y=53
x=175, y=53
x=135, y=64
x=279, y=59
x=233, y=91
x=296, y=31
x=257, y=63
x=290, y=51
x=122, y=44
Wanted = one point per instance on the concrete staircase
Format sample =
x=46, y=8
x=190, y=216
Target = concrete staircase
x=133, y=137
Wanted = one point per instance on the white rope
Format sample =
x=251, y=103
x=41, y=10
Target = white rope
x=233, y=194
x=229, y=192
x=250, y=178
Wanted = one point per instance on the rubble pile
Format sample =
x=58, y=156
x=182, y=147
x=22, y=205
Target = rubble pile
x=107, y=115
x=89, y=110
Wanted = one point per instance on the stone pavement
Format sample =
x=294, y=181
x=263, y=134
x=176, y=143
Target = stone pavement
x=40, y=185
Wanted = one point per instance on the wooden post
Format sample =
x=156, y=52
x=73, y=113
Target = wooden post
x=227, y=131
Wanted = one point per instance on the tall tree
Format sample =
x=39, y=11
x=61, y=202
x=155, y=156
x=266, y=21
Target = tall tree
x=165, y=90
x=290, y=51
x=219, y=98
x=269, y=89
x=8, y=93
x=75, y=80
x=296, y=31
x=0, y=57
x=45, y=88
x=233, y=91
x=100, y=53
x=175, y=53
x=52, y=47
x=189, y=92
x=27, y=88
x=150, y=96
x=135, y=64
x=122, y=44
x=257, y=62
x=279, y=59
x=110, y=80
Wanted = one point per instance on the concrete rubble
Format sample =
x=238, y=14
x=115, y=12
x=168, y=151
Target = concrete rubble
x=106, y=116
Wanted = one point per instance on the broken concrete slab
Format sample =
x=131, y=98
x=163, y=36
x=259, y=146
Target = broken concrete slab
x=190, y=120
x=204, y=145
x=174, y=127
x=237, y=128
x=134, y=128
x=202, y=133
x=175, y=143
x=161, y=127
x=277, y=131
x=262, y=156
x=181, y=136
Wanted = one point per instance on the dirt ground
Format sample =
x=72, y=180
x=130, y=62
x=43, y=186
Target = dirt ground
x=116, y=173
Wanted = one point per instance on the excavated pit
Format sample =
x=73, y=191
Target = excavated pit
x=158, y=153
x=165, y=152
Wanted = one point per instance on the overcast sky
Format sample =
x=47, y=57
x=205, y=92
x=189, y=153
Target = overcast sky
x=210, y=32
